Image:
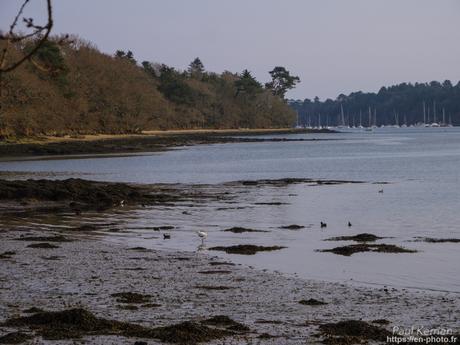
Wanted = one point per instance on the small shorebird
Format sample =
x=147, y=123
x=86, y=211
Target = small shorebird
x=381, y=191
x=323, y=225
x=349, y=224
x=202, y=234
x=166, y=236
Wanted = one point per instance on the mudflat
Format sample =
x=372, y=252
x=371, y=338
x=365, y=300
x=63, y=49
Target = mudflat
x=59, y=285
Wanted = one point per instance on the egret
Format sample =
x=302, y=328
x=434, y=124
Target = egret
x=202, y=234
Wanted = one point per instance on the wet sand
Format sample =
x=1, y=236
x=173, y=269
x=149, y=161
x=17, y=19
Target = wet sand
x=185, y=286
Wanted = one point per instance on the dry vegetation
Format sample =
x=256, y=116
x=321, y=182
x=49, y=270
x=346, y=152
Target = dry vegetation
x=70, y=87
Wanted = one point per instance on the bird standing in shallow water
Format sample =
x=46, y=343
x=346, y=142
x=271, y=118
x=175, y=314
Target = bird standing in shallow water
x=381, y=191
x=203, y=235
x=349, y=224
x=166, y=236
x=323, y=225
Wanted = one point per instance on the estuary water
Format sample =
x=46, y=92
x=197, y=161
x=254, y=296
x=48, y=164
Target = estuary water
x=421, y=167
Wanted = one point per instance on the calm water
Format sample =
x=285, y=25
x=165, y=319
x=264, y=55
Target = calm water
x=422, y=199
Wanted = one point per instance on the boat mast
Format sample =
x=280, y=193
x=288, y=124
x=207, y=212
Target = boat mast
x=342, y=115
x=424, y=112
x=370, y=117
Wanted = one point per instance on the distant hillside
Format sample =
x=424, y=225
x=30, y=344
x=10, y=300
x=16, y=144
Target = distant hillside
x=404, y=103
x=71, y=87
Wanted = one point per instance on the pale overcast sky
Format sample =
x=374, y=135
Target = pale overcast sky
x=335, y=46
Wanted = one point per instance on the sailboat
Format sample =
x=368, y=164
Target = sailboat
x=434, y=124
x=404, y=125
x=369, y=124
x=342, y=118
x=360, y=119
x=396, y=125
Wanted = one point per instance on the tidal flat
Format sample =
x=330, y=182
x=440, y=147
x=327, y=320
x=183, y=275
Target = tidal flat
x=64, y=278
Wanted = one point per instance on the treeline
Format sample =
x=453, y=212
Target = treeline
x=70, y=87
x=401, y=104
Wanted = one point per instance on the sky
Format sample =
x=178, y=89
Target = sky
x=334, y=46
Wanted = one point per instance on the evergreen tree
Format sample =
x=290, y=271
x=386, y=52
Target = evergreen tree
x=196, y=68
x=282, y=81
x=247, y=84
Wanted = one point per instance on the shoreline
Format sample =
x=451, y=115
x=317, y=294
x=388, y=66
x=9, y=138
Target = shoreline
x=151, y=141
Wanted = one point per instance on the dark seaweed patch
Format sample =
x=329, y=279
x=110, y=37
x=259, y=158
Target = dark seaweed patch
x=312, y=301
x=363, y=247
x=246, y=249
x=240, y=230
x=292, y=227
x=215, y=272
x=438, y=240
x=211, y=287
x=75, y=323
x=57, y=238
x=358, y=238
x=352, y=331
x=7, y=255
x=225, y=321
x=218, y=263
x=15, y=338
x=131, y=297
x=44, y=245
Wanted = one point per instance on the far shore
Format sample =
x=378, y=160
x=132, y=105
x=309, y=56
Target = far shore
x=148, y=141
x=171, y=132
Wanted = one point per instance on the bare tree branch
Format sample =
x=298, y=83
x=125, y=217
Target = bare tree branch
x=42, y=32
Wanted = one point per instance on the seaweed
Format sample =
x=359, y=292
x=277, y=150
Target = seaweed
x=56, y=238
x=75, y=323
x=131, y=297
x=352, y=331
x=438, y=240
x=14, y=338
x=225, y=321
x=43, y=245
x=292, y=227
x=7, y=255
x=240, y=230
x=365, y=237
x=363, y=247
x=245, y=249
x=312, y=301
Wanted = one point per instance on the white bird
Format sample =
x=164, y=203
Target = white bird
x=202, y=234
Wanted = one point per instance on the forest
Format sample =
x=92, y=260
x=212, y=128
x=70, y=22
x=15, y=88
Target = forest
x=69, y=87
x=403, y=104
